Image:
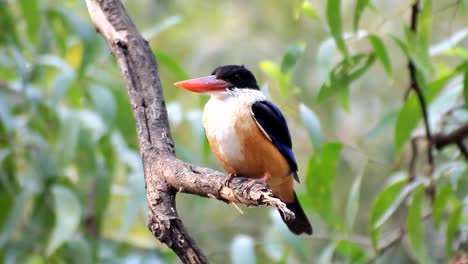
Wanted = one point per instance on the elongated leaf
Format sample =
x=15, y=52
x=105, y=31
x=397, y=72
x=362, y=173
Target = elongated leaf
x=166, y=60
x=381, y=203
x=410, y=113
x=69, y=134
x=327, y=254
x=351, y=251
x=321, y=178
x=397, y=202
x=440, y=202
x=353, y=198
x=360, y=6
x=7, y=25
x=273, y=71
x=312, y=124
x=309, y=10
x=381, y=52
x=334, y=23
x=465, y=86
x=67, y=210
x=13, y=219
x=31, y=15
x=425, y=23
x=387, y=121
x=242, y=250
x=453, y=223
x=105, y=105
x=418, y=52
x=292, y=54
x=415, y=226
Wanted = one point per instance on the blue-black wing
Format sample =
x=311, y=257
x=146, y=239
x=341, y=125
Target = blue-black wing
x=272, y=122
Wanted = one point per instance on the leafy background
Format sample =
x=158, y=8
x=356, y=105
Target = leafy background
x=71, y=181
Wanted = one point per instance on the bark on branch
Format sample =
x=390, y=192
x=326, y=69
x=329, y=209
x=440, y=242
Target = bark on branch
x=165, y=175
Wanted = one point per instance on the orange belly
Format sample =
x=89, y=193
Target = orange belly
x=257, y=156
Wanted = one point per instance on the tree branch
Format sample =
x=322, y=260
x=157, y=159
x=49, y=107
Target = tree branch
x=165, y=175
x=441, y=140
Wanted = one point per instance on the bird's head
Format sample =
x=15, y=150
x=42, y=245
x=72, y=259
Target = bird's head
x=223, y=79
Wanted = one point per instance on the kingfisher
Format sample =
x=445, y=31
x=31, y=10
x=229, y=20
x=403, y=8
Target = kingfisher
x=249, y=135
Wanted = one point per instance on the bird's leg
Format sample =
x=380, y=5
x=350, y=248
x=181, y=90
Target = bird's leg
x=229, y=178
x=263, y=180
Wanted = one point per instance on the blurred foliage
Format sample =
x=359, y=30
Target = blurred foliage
x=71, y=180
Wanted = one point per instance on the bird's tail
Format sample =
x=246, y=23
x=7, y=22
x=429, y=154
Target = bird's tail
x=300, y=224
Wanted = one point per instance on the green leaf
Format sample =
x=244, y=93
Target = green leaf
x=381, y=52
x=360, y=6
x=395, y=204
x=351, y=251
x=31, y=15
x=425, y=23
x=327, y=254
x=68, y=142
x=104, y=103
x=162, y=26
x=418, y=52
x=453, y=224
x=7, y=25
x=415, y=227
x=465, y=85
x=387, y=121
x=410, y=113
x=274, y=72
x=309, y=10
x=381, y=203
x=353, y=198
x=13, y=220
x=333, y=11
x=67, y=210
x=312, y=124
x=242, y=250
x=320, y=180
x=166, y=60
x=290, y=57
x=440, y=202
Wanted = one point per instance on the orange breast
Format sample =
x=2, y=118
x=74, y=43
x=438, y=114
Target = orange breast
x=257, y=156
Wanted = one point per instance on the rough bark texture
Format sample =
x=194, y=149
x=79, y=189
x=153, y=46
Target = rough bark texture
x=165, y=175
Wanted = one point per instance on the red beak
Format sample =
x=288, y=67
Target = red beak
x=203, y=84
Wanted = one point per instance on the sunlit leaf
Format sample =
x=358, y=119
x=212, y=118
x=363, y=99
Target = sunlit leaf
x=67, y=210
x=292, y=54
x=274, y=72
x=351, y=251
x=360, y=6
x=425, y=23
x=242, y=250
x=453, y=224
x=448, y=43
x=32, y=16
x=309, y=10
x=440, y=203
x=381, y=204
x=312, y=124
x=381, y=52
x=415, y=226
x=333, y=11
x=7, y=25
x=321, y=179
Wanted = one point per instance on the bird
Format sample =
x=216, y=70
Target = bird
x=249, y=135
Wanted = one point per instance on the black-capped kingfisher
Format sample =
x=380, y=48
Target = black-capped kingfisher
x=249, y=135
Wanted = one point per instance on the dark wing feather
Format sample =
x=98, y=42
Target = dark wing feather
x=272, y=122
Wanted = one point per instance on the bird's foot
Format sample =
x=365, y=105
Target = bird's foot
x=263, y=180
x=229, y=179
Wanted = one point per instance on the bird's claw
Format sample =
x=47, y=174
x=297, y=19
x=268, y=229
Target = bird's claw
x=263, y=180
x=229, y=179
